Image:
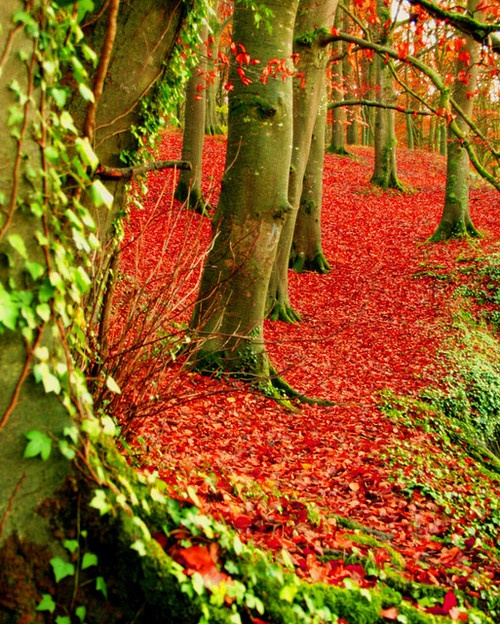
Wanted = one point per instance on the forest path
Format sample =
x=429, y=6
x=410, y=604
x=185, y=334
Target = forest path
x=375, y=322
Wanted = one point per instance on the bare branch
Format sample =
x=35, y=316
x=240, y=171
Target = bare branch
x=129, y=172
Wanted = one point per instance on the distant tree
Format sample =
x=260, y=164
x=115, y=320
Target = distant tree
x=338, y=130
x=189, y=183
x=314, y=18
x=385, y=168
x=456, y=220
x=307, y=250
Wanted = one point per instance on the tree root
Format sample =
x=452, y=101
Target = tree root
x=458, y=230
x=285, y=389
x=285, y=313
x=317, y=264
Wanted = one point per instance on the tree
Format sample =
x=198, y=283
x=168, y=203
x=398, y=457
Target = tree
x=456, y=220
x=312, y=18
x=229, y=313
x=189, y=183
x=338, y=139
x=307, y=252
x=385, y=169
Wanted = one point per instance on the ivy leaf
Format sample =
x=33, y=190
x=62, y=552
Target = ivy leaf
x=35, y=269
x=9, y=310
x=61, y=568
x=86, y=153
x=112, y=385
x=100, y=502
x=66, y=450
x=46, y=604
x=86, y=93
x=59, y=95
x=19, y=245
x=81, y=612
x=100, y=585
x=100, y=195
x=70, y=545
x=39, y=444
x=89, y=560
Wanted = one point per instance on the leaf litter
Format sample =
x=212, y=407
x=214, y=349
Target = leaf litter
x=340, y=491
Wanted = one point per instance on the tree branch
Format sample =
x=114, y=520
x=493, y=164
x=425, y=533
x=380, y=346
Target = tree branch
x=464, y=23
x=400, y=109
x=116, y=173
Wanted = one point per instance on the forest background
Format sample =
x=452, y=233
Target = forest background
x=133, y=338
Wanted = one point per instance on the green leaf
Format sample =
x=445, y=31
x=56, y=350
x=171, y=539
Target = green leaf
x=72, y=433
x=100, y=195
x=198, y=585
x=35, y=269
x=139, y=547
x=100, y=502
x=61, y=568
x=39, y=444
x=44, y=311
x=86, y=93
x=60, y=95
x=287, y=593
x=18, y=243
x=89, y=560
x=100, y=585
x=46, y=604
x=71, y=545
x=9, y=310
x=63, y=619
x=86, y=153
x=50, y=382
x=81, y=612
x=66, y=450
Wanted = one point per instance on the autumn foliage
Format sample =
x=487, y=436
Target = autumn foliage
x=349, y=490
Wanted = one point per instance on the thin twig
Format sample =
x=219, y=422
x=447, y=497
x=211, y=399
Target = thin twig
x=10, y=503
x=20, y=381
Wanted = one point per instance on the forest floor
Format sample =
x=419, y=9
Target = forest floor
x=377, y=480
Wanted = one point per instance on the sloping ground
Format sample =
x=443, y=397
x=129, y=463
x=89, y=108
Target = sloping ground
x=345, y=490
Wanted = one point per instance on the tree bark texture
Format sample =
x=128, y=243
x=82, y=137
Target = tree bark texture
x=307, y=94
x=307, y=253
x=189, y=183
x=385, y=172
x=337, y=137
x=229, y=313
x=456, y=220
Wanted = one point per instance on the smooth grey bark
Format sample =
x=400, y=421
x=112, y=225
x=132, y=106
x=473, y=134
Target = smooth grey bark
x=229, y=313
x=307, y=95
x=456, y=221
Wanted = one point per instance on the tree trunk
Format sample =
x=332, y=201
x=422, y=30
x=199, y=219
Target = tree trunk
x=455, y=220
x=42, y=276
x=307, y=253
x=23, y=406
x=229, y=313
x=337, y=137
x=307, y=94
x=385, y=169
x=189, y=183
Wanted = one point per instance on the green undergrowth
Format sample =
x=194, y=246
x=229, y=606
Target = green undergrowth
x=448, y=454
x=139, y=534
